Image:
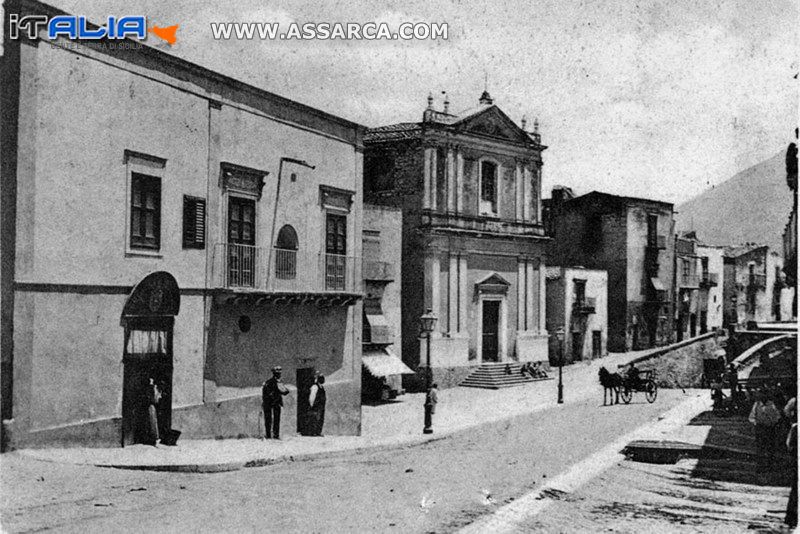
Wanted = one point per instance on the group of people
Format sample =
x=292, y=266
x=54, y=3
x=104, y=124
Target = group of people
x=775, y=428
x=774, y=420
x=533, y=369
x=272, y=393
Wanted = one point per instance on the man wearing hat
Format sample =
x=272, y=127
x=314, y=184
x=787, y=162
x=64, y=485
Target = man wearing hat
x=272, y=393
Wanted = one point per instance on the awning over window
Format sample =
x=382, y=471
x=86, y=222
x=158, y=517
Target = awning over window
x=383, y=362
x=657, y=284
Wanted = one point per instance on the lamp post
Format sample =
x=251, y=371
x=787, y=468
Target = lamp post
x=560, y=338
x=427, y=324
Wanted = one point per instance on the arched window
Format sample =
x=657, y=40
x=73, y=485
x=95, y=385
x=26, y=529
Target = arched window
x=286, y=254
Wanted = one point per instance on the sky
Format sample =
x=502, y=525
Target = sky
x=658, y=99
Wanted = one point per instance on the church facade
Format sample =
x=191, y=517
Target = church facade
x=469, y=185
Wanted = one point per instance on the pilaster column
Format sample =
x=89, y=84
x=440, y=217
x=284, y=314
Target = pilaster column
x=536, y=192
x=432, y=275
x=521, y=286
x=434, y=179
x=530, y=322
x=452, y=295
x=542, y=297
x=526, y=178
x=463, y=298
x=450, y=170
x=459, y=181
x=429, y=180
x=520, y=191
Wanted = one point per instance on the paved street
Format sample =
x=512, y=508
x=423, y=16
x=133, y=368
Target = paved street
x=438, y=486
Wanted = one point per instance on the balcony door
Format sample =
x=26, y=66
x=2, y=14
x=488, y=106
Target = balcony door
x=242, y=260
x=335, y=252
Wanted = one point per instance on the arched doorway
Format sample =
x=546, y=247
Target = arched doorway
x=148, y=318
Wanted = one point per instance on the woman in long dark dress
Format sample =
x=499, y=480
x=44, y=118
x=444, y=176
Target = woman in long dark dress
x=153, y=396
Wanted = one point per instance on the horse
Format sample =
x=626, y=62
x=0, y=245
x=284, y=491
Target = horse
x=611, y=383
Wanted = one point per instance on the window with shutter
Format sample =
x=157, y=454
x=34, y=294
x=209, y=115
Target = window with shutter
x=194, y=222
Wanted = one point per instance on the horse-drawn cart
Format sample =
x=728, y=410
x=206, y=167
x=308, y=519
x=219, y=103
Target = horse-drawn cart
x=646, y=382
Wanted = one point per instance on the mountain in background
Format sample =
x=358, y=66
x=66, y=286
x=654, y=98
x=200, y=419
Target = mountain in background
x=752, y=206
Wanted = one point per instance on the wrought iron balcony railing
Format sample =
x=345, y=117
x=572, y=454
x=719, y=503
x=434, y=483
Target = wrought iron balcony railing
x=584, y=306
x=709, y=280
x=659, y=243
x=378, y=270
x=689, y=280
x=245, y=267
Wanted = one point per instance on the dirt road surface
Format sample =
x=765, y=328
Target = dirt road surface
x=438, y=486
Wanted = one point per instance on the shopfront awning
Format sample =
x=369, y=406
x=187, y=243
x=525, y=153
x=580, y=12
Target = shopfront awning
x=384, y=362
x=657, y=284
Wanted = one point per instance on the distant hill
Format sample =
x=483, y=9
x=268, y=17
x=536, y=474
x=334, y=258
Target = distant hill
x=751, y=206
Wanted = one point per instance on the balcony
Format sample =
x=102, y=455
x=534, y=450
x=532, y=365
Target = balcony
x=659, y=243
x=481, y=225
x=651, y=264
x=659, y=308
x=245, y=268
x=584, y=306
x=757, y=280
x=377, y=333
x=689, y=281
x=379, y=271
x=684, y=247
x=709, y=280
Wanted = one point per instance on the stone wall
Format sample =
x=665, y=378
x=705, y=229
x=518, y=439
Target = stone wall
x=679, y=365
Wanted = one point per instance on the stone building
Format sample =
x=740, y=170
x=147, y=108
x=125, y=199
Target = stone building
x=687, y=288
x=698, y=287
x=577, y=302
x=382, y=328
x=790, y=230
x=758, y=287
x=473, y=240
x=711, y=273
x=164, y=221
x=631, y=239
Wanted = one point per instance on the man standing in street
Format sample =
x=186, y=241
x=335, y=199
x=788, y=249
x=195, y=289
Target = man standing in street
x=316, y=403
x=432, y=398
x=272, y=393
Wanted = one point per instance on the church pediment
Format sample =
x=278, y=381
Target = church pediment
x=494, y=284
x=492, y=122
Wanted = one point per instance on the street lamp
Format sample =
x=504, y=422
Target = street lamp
x=560, y=338
x=427, y=324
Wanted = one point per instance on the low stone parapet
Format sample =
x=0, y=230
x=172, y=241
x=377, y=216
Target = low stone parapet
x=680, y=365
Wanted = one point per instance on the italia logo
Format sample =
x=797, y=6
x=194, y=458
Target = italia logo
x=78, y=27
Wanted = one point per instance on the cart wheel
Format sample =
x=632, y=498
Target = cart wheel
x=651, y=391
x=626, y=394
